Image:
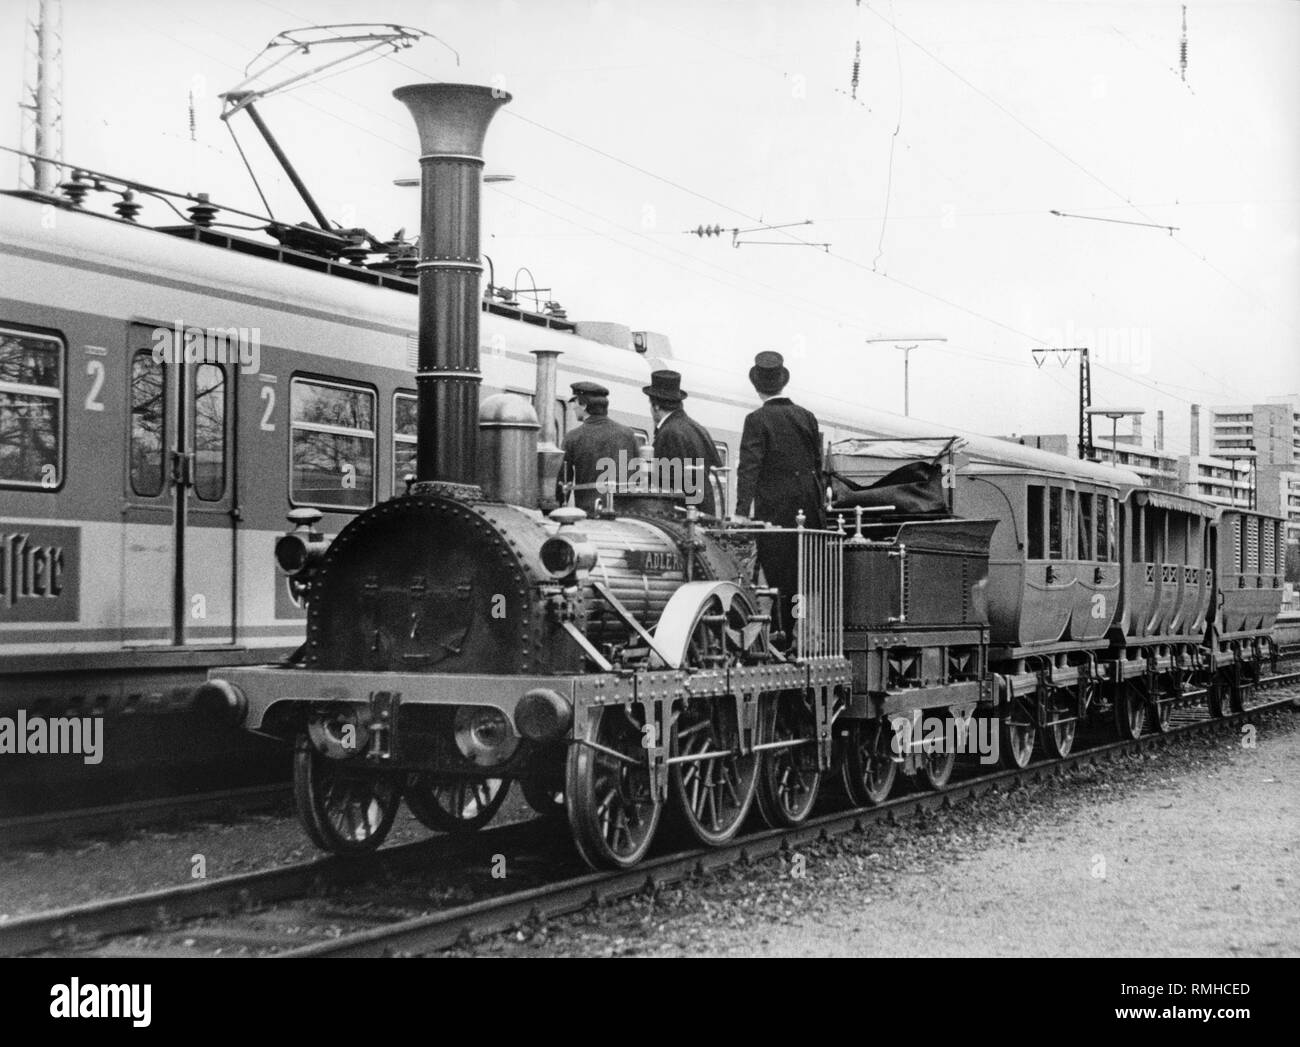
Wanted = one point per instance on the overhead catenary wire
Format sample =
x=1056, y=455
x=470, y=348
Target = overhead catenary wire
x=679, y=186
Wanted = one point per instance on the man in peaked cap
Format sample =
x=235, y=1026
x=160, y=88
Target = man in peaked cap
x=592, y=449
x=680, y=442
x=779, y=474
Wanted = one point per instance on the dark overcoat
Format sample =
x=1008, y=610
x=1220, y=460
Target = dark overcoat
x=681, y=439
x=780, y=470
x=597, y=441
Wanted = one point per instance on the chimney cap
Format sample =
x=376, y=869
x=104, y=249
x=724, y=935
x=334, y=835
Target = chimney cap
x=452, y=119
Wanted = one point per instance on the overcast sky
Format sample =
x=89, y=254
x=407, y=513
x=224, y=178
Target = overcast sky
x=632, y=122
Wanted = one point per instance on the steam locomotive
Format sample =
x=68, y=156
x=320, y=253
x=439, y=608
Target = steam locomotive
x=623, y=668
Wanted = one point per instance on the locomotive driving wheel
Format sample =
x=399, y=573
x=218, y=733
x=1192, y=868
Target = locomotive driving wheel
x=788, y=777
x=346, y=807
x=613, y=808
x=711, y=782
x=713, y=788
x=455, y=805
x=867, y=763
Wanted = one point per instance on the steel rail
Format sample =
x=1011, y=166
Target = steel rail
x=139, y=813
x=76, y=928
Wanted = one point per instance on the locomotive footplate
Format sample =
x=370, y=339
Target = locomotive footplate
x=275, y=701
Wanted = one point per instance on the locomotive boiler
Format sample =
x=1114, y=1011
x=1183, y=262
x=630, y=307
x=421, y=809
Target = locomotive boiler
x=460, y=637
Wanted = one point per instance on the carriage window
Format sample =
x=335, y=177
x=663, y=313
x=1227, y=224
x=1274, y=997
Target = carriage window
x=333, y=445
x=1068, y=526
x=1034, y=521
x=31, y=410
x=722, y=478
x=209, y=432
x=1135, y=527
x=1104, y=532
x=406, y=409
x=1086, y=530
x=1155, y=536
x=1054, y=532
x=148, y=425
x=1177, y=544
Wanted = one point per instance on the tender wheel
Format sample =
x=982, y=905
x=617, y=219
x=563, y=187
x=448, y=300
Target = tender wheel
x=867, y=764
x=788, y=778
x=346, y=807
x=1016, y=736
x=613, y=811
x=1130, y=711
x=455, y=805
x=937, y=769
x=711, y=795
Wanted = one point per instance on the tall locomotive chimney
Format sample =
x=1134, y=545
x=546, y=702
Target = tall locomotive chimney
x=452, y=120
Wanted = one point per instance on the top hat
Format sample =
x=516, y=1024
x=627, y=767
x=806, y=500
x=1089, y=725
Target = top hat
x=588, y=389
x=665, y=385
x=769, y=374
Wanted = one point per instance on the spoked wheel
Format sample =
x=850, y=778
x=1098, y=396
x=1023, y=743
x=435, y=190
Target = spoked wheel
x=1058, y=738
x=867, y=763
x=712, y=793
x=613, y=811
x=346, y=807
x=455, y=805
x=1130, y=711
x=937, y=768
x=1162, y=714
x=545, y=798
x=788, y=777
x=1017, y=733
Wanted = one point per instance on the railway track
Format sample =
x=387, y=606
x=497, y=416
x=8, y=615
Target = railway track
x=330, y=907
x=117, y=818
x=110, y=820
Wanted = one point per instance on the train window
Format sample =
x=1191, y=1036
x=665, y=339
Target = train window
x=1106, y=551
x=1155, y=535
x=1068, y=526
x=1136, y=520
x=406, y=408
x=1177, y=546
x=31, y=410
x=1054, y=531
x=1034, y=521
x=722, y=478
x=1087, y=529
x=148, y=425
x=209, y=432
x=332, y=445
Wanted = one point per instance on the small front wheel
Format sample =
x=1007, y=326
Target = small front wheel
x=345, y=806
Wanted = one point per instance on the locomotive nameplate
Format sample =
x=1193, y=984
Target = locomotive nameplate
x=39, y=573
x=655, y=561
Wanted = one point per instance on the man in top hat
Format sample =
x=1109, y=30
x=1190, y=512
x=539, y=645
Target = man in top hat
x=681, y=443
x=779, y=474
x=592, y=448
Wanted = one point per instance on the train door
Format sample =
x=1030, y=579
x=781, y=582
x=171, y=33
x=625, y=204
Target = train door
x=178, y=557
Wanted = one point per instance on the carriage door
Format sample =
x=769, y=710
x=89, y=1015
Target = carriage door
x=178, y=557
